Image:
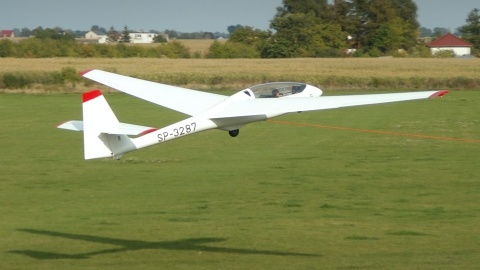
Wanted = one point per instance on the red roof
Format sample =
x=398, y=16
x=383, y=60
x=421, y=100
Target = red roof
x=6, y=33
x=449, y=40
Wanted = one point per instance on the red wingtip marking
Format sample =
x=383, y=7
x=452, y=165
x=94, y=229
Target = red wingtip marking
x=147, y=131
x=91, y=95
x=439, y=93
x=85, y=72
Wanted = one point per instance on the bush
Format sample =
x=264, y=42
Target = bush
x=7, y=48
x=328, y=52
x=444, y=54
x=232, y=50
x=15, y=81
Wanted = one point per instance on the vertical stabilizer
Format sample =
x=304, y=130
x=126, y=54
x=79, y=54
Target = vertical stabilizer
x=98, y=120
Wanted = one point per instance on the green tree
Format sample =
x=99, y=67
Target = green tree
x=320, y=8
x=232, y=28
x=390, y=37
x=232, y=50
x=171, y=33
x=471, y=30
x=95, y=28
x=112, y=35
x=425, y=32
x=159, y=38
x=302, y=35
x=52, y=33
x=25, y=32
x=250, y=36
x=125, y=37
x=367, y=21
x=7, y=48
x=439, y=31
x=174, y=49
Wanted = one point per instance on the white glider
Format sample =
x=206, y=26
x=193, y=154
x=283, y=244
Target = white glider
x=105, y=136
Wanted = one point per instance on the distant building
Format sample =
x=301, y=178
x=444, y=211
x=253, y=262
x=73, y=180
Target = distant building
x=99, y=37
x=135, y=37
x=142, y=37
x=452, y=43
x=7, y=34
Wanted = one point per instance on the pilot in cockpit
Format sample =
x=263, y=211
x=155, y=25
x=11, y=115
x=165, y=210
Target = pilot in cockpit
x=276, y=93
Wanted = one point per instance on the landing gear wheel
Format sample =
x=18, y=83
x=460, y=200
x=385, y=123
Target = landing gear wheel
x=234, y=133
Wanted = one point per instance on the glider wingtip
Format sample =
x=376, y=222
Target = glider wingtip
x=439, y=93
x=91, y=95
x=61, y=124
x=85, y=72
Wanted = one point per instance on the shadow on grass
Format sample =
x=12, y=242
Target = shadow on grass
x=191, y=244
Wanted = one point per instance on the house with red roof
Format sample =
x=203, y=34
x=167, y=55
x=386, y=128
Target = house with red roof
x=452, y=43
x=7, y=34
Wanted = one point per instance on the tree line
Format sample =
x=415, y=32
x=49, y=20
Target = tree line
x=300, y=28
x=317, y=28
x=45, y=48
x=26, y=32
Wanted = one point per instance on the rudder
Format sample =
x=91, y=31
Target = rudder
x=98, y=120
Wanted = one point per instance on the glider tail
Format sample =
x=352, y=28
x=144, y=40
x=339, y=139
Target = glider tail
x=98, y=123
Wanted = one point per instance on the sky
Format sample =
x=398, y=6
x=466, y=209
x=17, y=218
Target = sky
x=187, y=15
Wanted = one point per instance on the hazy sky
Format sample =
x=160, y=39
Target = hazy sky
x=186, y=15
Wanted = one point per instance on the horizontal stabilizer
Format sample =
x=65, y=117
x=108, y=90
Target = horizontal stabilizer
x=74, y=125
x=120, y=129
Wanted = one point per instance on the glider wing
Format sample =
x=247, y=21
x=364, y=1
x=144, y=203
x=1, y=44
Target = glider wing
x=278, y=106
x=179, y=99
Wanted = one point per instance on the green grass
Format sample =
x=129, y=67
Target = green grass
x=279, y=196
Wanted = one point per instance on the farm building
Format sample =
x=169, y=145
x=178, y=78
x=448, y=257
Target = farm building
x=7, y=34
x=452, y=43
x=135, y=37
x=100, y=37
x=142, y=37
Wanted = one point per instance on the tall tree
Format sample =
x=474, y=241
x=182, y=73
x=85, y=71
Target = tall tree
x=125, y=38
x=425, y=32
x=171, y=33
x=320, y=8
x=302, y=35
x=95, y=28
x=249, y=35
x=232, y=28
x=25, y=32
x=367, y=21
x=112, y=35
x=439, y=31
x=471, y=30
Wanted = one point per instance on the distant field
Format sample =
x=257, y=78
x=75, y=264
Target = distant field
x=232, y=74
x=279, y=196
x=197, y=45
x=200, y=46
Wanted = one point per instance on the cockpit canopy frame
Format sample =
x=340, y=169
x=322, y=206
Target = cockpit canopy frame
x=277, y=89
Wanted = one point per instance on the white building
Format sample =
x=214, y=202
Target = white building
x=449, y=42
x=101, y=38
x=142, y=37
x=136, y=37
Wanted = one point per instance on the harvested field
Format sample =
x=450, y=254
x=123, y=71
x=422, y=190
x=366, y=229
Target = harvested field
x=331, y=74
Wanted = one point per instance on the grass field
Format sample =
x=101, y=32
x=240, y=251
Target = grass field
x=206, y=74
x=279, y=196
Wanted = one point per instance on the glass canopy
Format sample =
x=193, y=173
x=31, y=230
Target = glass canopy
x=277, y=89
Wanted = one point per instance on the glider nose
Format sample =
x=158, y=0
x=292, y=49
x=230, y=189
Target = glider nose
x=314, y=91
